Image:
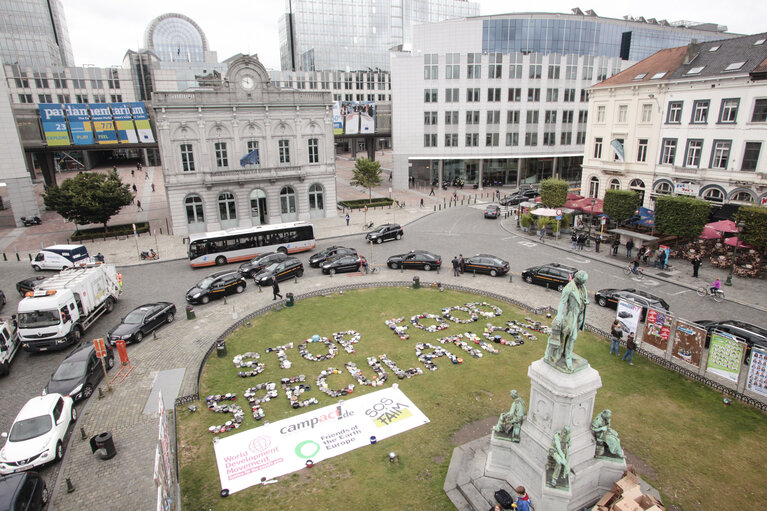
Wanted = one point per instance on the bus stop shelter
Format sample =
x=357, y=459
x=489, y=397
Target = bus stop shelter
x=640, y=239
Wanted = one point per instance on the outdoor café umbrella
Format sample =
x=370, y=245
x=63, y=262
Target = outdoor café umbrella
x=709, y=233
x=723, y=226
x=733, y=240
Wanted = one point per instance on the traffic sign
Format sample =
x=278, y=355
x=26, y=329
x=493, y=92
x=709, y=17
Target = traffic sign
x=101, y=350
x=559, y=212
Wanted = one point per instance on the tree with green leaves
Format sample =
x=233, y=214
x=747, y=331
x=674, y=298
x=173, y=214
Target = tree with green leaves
x=681, y=216
x=754, y=219
x=554, y=192
x=620, y=205
x=89, y=198
x=366, y=174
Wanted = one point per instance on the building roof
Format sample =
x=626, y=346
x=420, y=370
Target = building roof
x=740, y=55
x=656, y=67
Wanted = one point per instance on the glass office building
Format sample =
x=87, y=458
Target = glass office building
x=176, y=38
x=349, y=35
x=34, y=33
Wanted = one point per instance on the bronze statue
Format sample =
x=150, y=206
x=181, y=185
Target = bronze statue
x=559, y=456
x=605, y=436
x=510, y=423
x=571, y=317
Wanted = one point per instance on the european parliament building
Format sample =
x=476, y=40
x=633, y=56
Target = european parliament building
x=502, y=100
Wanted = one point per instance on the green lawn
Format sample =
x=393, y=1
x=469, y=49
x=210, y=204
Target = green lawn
x=696, y=450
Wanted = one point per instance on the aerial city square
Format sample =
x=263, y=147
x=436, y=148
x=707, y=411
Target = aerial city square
x=382, y=255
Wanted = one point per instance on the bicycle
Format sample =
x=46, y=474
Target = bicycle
x=718, y=296
x=628, y=271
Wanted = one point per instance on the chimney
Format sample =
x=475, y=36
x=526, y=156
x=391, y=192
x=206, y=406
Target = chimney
x=692, y=51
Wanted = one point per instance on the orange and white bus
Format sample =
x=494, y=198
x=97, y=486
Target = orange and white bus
x=243, y=244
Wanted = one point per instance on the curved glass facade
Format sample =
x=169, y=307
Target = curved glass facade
x=629, y=40
x=175, y=39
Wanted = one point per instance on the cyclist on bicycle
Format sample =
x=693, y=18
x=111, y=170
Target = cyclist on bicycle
x=716, y=286
x=635, y=265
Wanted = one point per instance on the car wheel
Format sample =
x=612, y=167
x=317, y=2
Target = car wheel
x=220, y=260
x=332, y=271
x=36, y=267
x=560, y=287
x=300, y=273
x=87, y=391
x=282, y=250
x=5, y=369
x=78, y=334
x=602, y=302
x=493, y=273
x=73, y=415
x=110, y=305
x=399, y=236
x=45, y=495
x=59, y=451
x=393, y=266
x=239, y=289
x=426, y=267
x=528, y=279
x=379, y=240
x=139, y=337
x=205, y=299
x=170, y=317
x=110, y=362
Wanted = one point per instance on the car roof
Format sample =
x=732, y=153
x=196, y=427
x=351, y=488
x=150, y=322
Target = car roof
x=556, y=265
x=745, y=326
x=81, y=352
x=222, y=273
x=9, y=486
x=38, y=405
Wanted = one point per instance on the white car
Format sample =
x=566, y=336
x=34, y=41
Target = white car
x=37, y=434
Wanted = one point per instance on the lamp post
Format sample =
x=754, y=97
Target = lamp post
x=591, y=220
x=728, y=282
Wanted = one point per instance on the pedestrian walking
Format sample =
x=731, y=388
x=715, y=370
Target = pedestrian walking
x=456, y=267
x=631, y=345
x=641, y=251
x=581, y=241
x=152, y=186
x=647, y=255
x=421, y=201
x=616, y=245
x=629, y=248
x=660, y=261
x=134, y=188
x=146, y=176
x=132, y=172
x=347, y=219
x=138, y=204
x=275, y=289
x=696, y=265
x=616, y=334
x=461, y=263
x=138, y=166
x=573, y=241
x=431, y=192
x=542, y=233
x=597, y=242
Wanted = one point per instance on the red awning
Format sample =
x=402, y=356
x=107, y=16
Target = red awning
x=723, y=226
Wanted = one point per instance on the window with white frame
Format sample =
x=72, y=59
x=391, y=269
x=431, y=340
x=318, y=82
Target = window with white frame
x=700, y=112
x=531, y=139
x=567, y=116
x=694, y=150
x=728, y=113
x=515, y=94
x=512, y=139
x=474, y=66
x=600, y=114
x=674, y=113
x=451, y=95
x=751, y=156
x=549, y=138
x=515, y=65
x=451, y=117
x=194, y=210
x=571, y=70
x=712, y=194
x=583, y=116
x=472, y=139
x=647, y=113
x=430, y=95
x=494, y=94
x=615, y=184
x=554, y=66
x=588, y=67
x=252, y=145
x=598, y=147
x=533, y=94
x=453, y=66
x=283, y=146
x=472, y=95
x=430, y=140
x=491, y=140
x=623, y=111
x=552, y=95
x=430, y=118
x=642, y=150
x=512, y=117
x=187, y=158
x=493, y=117
x=222, y=160
x=742, y=196
x=532, y=117
x=580, y=137
x=472, y=116
x=495, y=64
x=569, y=96
x=287, y=200
x=664, y=188
x=430, y=66
x=550, y=117
x=668, y=151
x=566, y=138
x=536, y=65
x=720, y=155
x=314, y=150
x=227, y=206
x=451, y=139
x=594, y=187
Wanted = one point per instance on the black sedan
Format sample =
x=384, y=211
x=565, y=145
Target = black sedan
x=142, y=320
x=316, y=260
x=611, y=297
x=492, y=211
x=290, y=267
x=385, y=232
x=2, y=299
x=80, y=372
x=27, y=285
x=216, y=285
x=519, y=197
x=342, y=264
x=260, y=262
x=552, y=275
x=486, y=263
x=415, y=259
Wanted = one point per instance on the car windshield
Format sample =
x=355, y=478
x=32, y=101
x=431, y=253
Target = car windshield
x=30, y=428
x=39, y=319
x=379, y=230
x=205, y=283
x=135, y=317
x=272, y=267
x=69, y=370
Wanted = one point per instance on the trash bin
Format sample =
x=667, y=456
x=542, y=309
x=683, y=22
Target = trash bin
x=290, y=300
x=221, y=349
x=190, y=312
x=103, y=445
x=416, y=282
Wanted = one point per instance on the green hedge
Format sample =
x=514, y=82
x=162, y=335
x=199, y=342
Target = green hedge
x=112, y=231
x=361, y=203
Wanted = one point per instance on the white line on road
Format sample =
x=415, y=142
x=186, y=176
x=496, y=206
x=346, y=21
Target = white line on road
x=579, y=260
x=680, y=292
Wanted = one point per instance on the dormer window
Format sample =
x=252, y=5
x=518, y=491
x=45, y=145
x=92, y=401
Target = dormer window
x=734, y=66
x=695, y=70
x=759, y=42
x=714, y=48
x=658, y=76
x=639, y=76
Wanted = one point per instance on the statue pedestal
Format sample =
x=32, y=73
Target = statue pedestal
x=557, y=400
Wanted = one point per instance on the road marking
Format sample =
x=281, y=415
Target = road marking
x=680, y=292
x=579, y=260
x=528, y=244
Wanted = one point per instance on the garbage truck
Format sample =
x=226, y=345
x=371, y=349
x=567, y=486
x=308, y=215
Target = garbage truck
x=58, y=311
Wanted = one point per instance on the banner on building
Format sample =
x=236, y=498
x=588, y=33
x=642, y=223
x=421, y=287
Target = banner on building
x=80, y=123
x=691, y=189
x=54, y=124
x=757, y=371
x=688, y=342
x=103, y=123
x=126, y=131
x=144, y=128
x=725, y=354
x=657, y=328
x=338, y=122
x=351, y=117
x=628, y=315
x=285, y=446
x=367, y=111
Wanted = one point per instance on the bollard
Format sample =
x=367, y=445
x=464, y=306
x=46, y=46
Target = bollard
x=221, y=348
x=83, y=436
x=259, y=288
x=190, y=312
x=474, y=274
x=224, y=299
x=5, y=257
x=19, y=259
x=295, y=279
x=70, y=486
x=510, y=278
x=101, y=393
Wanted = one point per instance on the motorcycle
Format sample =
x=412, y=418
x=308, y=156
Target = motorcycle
x=151, y=255
x=33, y=220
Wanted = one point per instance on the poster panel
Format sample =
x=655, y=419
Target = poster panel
x=338, y=122
x=103, y=123
x=144, y=128
x=725, y=354
x=628, y=315
x=757, y=371
x=80, y=123
x=367, y=111
x=285, y=446
x=657, y=328
x=126, y=131
x=688, y=342
x=54, y=124
x=351, y=117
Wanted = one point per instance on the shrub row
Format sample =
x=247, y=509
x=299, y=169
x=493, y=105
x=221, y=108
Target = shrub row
x=361, y=203
x=112, y=231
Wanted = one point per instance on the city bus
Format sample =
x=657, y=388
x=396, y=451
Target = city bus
x=243, y=244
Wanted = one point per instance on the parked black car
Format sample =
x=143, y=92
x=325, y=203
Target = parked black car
x=216, y=285
x=80, y=372
x=27, y=285
x=492, y=211
x=342, y=264
x=3, y=300
x=486, y=263
x=290, y=267
x=611, y=297
x=415, y=259
x=316, y=260
x=385, y=232
x=519, y=197
x=24, y=490
x=752, y=335
x=142, y=320
x=260, y=262
x=553, y=275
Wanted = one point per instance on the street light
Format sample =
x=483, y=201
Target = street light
x=728, y=282
x=591, y=220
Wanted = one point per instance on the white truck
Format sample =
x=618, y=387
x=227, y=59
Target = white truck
x=63, y=307
x=9, y=346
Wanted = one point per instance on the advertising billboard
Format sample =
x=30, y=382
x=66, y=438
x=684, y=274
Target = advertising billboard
x=79, y=123
x=724, y=356
x=126, y=131
x=757, y=372
x=358, y=117
x=338, y=121
x=103, y=123
x=628, y=315
x=688, y=342
x=657, y=328
x=145, y=135
x=54, y=124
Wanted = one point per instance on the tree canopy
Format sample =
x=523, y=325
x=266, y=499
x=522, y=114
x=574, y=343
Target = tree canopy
x=681, y=216
x=754, y=219
x=89, y=198
x=620, y=205
x=554, y=192
x=366, y=174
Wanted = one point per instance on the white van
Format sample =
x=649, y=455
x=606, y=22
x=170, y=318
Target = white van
x=9, y=346
x=58, y=257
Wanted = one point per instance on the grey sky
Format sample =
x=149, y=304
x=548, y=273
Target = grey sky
x=101, y=32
